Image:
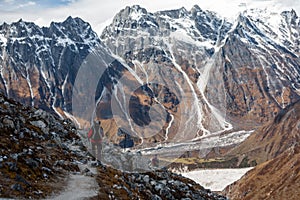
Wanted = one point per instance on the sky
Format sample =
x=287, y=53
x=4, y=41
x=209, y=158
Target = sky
x=100, y=12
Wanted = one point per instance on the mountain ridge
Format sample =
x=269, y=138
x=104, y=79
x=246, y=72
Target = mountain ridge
x=36, y=50
x=231, y=71
x=248, y=54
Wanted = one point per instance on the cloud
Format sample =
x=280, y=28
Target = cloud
x=29, y=3
x=14, y=5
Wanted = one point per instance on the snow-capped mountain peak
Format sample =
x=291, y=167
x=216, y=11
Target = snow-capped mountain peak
x=203, y=42
x=281, y=28
x=20, y=29
x=43, y=57
x=230, y=72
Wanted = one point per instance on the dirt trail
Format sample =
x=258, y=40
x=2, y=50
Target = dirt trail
x=79, y=186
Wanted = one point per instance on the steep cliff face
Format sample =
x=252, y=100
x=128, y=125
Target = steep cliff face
x=175, y=49
x=246, y=71
x=39, y=65
x=261, y=66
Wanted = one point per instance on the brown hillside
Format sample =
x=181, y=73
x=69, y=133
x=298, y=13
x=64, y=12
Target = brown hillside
x=272, y=139
x=277, y=145
x=278, y=178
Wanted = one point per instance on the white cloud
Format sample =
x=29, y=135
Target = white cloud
x=30, y=3
x=100, y=12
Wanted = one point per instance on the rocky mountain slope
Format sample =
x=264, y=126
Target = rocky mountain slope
x=277, y=144
x=34, y=151
x=152, y=185
x=169, y=76
x=39, y=64
x=273, y=138
x=247, y=70
x=278, y=178
x=171, y=48
x=38, y=152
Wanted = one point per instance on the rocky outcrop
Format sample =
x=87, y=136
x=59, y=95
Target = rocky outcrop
x=152, y=185
x=35, y=151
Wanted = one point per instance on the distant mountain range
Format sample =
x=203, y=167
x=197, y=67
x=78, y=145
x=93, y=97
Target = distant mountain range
x=167, y=76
